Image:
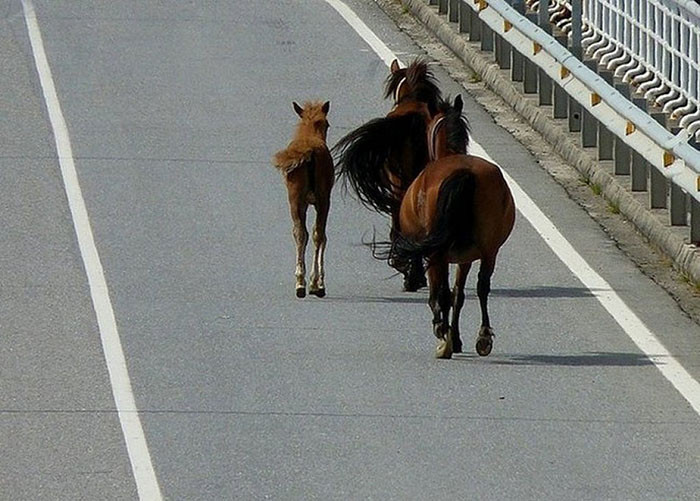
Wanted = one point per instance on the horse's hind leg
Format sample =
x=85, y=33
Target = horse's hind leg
x=414, y=275
x=484, y=340
x=457, y=304
x=440, y=305
x=415, y=278
x=301, y=237
x=318, y=286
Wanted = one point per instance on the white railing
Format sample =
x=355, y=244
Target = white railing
x=656, y=159
x=654, y=45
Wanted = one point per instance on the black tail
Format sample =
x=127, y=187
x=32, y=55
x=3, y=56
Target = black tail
x=365, y=154
x=453, y=223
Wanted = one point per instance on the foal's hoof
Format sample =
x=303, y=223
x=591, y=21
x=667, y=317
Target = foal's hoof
x=301, y=292
x=318, y=292
x=444, y=347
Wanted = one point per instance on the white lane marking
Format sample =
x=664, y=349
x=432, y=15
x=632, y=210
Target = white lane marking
x=379, y=47
x=144, y=474
x=635, y=329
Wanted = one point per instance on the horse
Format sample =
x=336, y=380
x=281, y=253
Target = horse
x=382, y=157
x=458, y=210
x=307, y=168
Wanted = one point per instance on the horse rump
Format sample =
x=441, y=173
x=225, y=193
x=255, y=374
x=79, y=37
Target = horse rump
x=452, y=226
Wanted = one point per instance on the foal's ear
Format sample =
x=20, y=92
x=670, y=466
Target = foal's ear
x=326, y=106
x=458, y=103
x=297, y=108
x=395, y=66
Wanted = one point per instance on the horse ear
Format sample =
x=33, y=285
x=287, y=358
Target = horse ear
x=459, y=104
x=326, y=106
x=395, y=66
x=297, y=108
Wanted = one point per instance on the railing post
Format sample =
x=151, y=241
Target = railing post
x=640, y=167
x=576, y=16
x=694, y=208
x=453, y=11
x=621, y=152
x=465, y=16
x=545, y=83
x=657, y=181
x=678, y=210
x=560, y=100
x=516, y=70
x=577, y=51
x=486, y=37
x=605, y=137
x=475, y=28
x=530, y=69
x=589, y=125
x=694, y=221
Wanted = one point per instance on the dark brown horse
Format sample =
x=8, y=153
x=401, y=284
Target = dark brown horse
x=307, y=167
x=381, y=158
x=458, y=210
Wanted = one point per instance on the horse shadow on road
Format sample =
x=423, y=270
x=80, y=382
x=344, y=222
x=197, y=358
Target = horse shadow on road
x=552, y=292
x=590, y=359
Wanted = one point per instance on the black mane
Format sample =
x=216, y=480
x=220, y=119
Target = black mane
x=456, y=126
x=420, y=80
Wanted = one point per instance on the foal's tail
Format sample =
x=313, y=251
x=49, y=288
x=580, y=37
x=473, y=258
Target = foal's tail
x=454, y=216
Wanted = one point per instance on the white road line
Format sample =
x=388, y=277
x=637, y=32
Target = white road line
x=645, y=340
x=146, y=481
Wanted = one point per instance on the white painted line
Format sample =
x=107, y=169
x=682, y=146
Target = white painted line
x=146, y=481
x=645, y=340
x=635, y=329
x=379, y=47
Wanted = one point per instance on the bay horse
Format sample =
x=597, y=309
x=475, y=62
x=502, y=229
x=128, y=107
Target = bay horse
x=307, y=167
x=382, y=157
x=458, y=210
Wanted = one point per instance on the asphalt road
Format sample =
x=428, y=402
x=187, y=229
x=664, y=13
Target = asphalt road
x=174, y=110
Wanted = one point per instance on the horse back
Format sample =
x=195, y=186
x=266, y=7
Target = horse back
x=311, y=180
x=491, y=210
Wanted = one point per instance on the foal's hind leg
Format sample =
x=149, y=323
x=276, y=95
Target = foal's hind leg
x=318, y=286
x=484, y=340
x=457, y=303
x=301, y=237
x=440, y=304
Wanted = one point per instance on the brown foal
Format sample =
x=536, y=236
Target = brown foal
x=307, y=168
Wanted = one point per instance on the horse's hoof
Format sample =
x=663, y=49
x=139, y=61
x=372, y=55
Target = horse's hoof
x=413, y=284
x=301, y=292
x=456, y=346
x=318, y=292
x=484, y=345
x=444, y=348
x=409, y=287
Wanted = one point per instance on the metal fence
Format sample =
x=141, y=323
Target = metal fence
x=610, y=67
x=654, y=45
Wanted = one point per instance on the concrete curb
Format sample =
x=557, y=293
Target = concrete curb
x=684, y=256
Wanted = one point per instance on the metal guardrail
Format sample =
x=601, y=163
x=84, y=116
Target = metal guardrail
x=652, y=44
x=594, y=103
